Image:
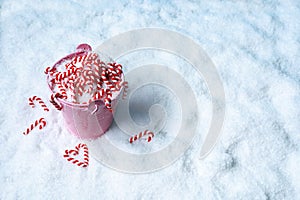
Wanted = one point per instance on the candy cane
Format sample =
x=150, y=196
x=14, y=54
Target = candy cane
x=99, y=94
x=90, y=85
x=75, y=152
x=39, y=100
x=61, y=75
x=92, y=57
x=142, y=134
x=107, y=103
x=55, y=102
x=62, y=91
x=80, y=87
x=40, y=122
x=98, y=83
x=99, y=63
x=117, y=67
x=49, y=70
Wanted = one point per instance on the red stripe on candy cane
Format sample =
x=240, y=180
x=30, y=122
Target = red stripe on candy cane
x=147, y=133
x=75, y=152
x=41, y=122
x=39, y=100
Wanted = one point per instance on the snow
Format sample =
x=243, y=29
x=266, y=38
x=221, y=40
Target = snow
x=255, y=47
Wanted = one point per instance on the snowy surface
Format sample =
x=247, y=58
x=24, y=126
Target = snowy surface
x=255, y=47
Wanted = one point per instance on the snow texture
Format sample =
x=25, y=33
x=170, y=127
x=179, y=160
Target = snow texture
x=255, y=47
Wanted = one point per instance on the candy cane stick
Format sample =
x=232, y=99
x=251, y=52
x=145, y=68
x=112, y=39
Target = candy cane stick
x=99, y=94
x=49, y=70
x=62, y=91
x=105, y=79
x=117, y=67
x=40, y=122
x=39, y=100
x=76, y=152
x=55, y=102
x=107, y=102
x=142, y=134
x=61, y=75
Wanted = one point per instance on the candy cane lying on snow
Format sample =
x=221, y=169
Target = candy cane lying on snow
x=75, y=152
x=40, y=122
x=142, y=134
x=39, y=100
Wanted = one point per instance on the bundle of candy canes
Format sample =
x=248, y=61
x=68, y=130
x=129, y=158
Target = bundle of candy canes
x=85, y=78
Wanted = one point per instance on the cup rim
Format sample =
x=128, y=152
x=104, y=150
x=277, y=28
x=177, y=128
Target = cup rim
x=70, y=56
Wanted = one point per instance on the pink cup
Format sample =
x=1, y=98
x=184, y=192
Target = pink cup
x=86, y=121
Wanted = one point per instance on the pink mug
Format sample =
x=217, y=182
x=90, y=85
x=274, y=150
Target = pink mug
x=86, y=121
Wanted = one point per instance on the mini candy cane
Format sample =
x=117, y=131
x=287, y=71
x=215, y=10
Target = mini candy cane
x=92, y=57
x=55, y=102
x=117, y=67
x=108, y=93
x=98, y=83
x=49, y=70
x=40, y=122
x=99, y=63
x=62, y=91
x=107, y=102
x=75, y=152
x=97, y=71
x=61, y=75
x=99, y=94
x=105, y=79
x=39, y=100
x=142, y=134
x=80, y=87
x=80, y=59
x=90, y=85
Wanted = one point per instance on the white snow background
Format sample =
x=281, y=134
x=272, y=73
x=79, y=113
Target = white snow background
x=255, y=47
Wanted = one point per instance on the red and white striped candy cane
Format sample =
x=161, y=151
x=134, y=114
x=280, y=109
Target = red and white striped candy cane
x=90, y=85
x=99, y=63
x=107, y=103
x=108, y=93
x=55, y=102
x=98, y=83
x=142, y=134
x=79, y=59
x=105, y=79
x=62, y=91
x=41, y=122
x=80, y=87
x=117, y=67
x=61, y=75
x=50, y=70
x=75, y=152
x=97, y=71
x=103, y=76
x=92, y=57
x=69, y=65
x=39, y=100
x=99, y=94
